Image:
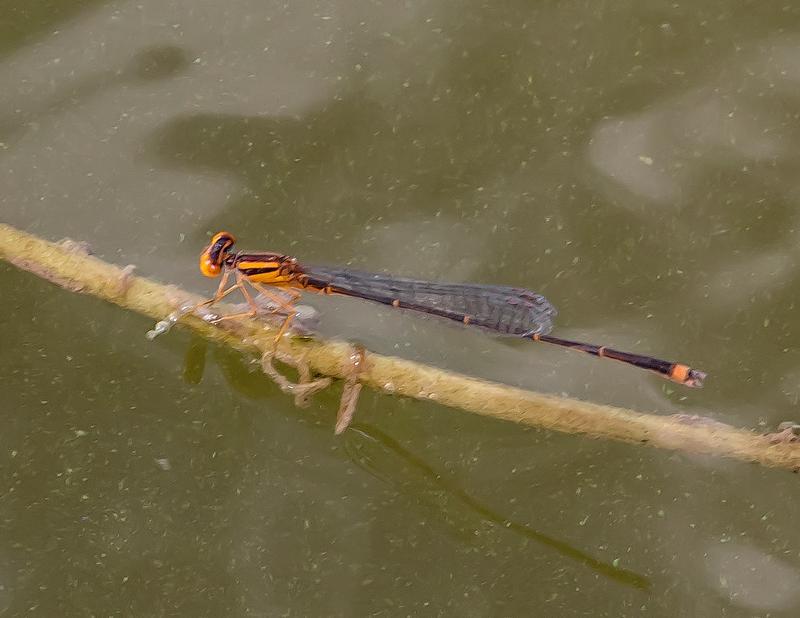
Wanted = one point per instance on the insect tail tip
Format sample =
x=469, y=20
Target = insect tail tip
x=695, y=378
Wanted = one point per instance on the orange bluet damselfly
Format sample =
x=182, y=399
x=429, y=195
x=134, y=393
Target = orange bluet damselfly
x=502, y=310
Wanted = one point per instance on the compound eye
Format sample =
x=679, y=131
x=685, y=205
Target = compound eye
x=208, y=267
x=226, y=237
x=214, y=256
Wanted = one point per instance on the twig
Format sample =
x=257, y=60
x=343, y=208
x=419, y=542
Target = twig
x=71, y=268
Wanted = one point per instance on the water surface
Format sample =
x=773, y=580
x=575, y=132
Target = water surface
x=634, y=162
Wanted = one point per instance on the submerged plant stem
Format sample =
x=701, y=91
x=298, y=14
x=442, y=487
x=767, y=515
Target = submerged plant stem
x=71, y=267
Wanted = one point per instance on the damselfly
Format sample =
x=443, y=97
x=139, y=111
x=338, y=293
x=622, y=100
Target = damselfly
x=502, y=310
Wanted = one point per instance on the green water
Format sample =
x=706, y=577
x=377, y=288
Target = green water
x=634, y=161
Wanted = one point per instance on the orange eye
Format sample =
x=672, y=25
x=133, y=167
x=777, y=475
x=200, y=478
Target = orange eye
x=214, y=256
x=208, y=267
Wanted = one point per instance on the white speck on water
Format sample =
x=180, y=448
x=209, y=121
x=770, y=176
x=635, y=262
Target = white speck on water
x=164, y=464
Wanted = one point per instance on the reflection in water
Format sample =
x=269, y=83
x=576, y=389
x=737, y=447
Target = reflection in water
x=751, y=577
x=383, y=457
x=150, y=64
x=194, y=364
x=242, y=373
x=244, y=376
x=33, y=19
x=457, y=132
x=723, y=121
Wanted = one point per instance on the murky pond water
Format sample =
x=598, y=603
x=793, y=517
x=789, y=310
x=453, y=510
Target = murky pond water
x=635, y=162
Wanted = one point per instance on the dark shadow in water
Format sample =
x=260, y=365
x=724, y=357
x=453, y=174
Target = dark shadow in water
x=150, y=64
x=194, y=364
x=419, y=478
x=370, y=152
x=291, y=168
x=360, y=438
x=241, y=372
